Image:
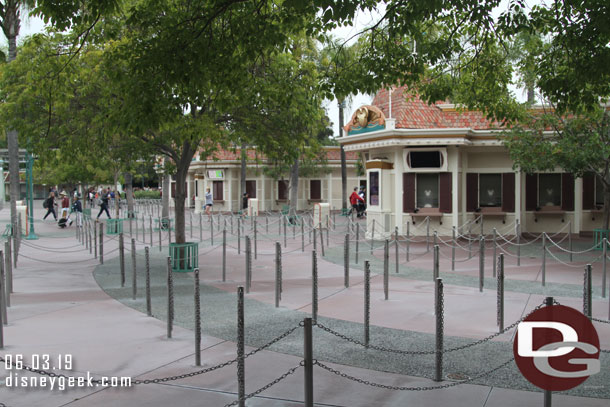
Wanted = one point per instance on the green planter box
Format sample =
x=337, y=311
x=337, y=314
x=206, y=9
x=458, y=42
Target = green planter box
x=598, y=236
x=114, y=226
x=184, y=257
x=165, y=224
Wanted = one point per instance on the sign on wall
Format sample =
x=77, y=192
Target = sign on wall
x=216, y=174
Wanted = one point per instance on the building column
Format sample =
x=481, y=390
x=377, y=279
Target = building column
x=330, y=190
x=577, y=206
x=262, y=203
x=189, y=190
x=229, y=181
x=398, y=170
x=456, y=187
x=519, y=185
x=464, y=157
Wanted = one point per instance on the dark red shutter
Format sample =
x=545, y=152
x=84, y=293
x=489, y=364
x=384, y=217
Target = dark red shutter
x=315, y=189
x=282, y=192
x=508, y=192
x=567, y=191
x=445, y=201
x=588, y=191
x=531, y=192
x=408, y=192
x=217, y=192
x=251, y=189
x=472, y=185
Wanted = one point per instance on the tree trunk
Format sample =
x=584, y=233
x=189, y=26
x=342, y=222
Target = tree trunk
x=294, y=186
x=165, y=198
x=129, y=192
x=606, y=223
x=242, y=180
x=343, y=161
x=179, y=208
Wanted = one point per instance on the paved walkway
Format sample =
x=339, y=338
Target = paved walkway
x=58, y=308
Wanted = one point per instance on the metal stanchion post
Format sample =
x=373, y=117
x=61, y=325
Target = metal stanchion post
x=372, y=235
x=285, y=238
x=518, y=235
x=427, y=233
x=278, y=275
x=570, y=240
x=101, y=243
x=321, y=239
x=308, y=361
x=201, y=227
x=434, y=238
x=150, y=230
x=453, y=244
x=386, y=269
x=148, y=298
x=396, y=247
x=3, y=296
x=197, y=319
x=543, y=258
x=211, y=231
x=469, y=242
x=500, y=292
x=7, y=267
x=547, y=393
x=238, y=235
x=408, y=242
x=256, y=240
x=314, y=286
x=241, y=359
x=224, y=255
x=122, y=259
x=481, y=262
x=494, y=247
x=439, y=310
x=315, y=240
x=95, y=239
x=346, y=262
x=604, y=262
x=248, y=268
x=302, y=235
x=134, y=275
x=357, y=240
x=587, y=303
x=367, y=302
x=170, y=298
x=435, y=263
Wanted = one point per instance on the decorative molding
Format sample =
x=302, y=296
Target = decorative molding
x=383, y=165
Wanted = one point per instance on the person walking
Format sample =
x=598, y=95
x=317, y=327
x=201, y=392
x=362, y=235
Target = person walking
x=208, y=201
x=77, y=208
x=354, y=198
x=49, y=203
x=65, y=204
x=104, y=204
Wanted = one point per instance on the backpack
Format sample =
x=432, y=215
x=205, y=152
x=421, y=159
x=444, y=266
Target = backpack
x=45, y=204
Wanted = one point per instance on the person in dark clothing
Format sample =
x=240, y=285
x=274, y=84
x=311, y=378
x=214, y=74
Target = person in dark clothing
x=104, y=205
x=50, y=205
x=354, y=199
x=245, y=201
x=77, y=208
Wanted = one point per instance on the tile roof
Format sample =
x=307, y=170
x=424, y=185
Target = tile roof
x=332, y=154
x=411, y=112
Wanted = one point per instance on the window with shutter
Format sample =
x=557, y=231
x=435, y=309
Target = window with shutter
x=217, y=190
x=408, y=192
x=531, y=192
x=251, y=188
x=567, y=192
x=472, y=185
x=445, y=193
x=282, y=190
x=588, y=191
x=315, y=189
x=508, y=192
x=427, y=191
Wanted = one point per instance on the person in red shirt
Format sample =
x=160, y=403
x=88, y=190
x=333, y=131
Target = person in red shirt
x=65, y=204
x=354, y=198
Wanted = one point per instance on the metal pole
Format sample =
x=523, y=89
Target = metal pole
x=408, y=239
x=314, y=285
x=587, y=293
x=500, y=292
x=224, y=255
x=396, y=247
x=285, y=238
x=148, y=299
x=481, y=262
x=435, y=238
x=327, y=231
x=238, y=235
x=372, y=235
x=494, y=252
x=278, y=275
x=518, y=233
x=427, y=233
x=241, y=360
x=547, y=393
x=122, y=259
x=248, y=269
x=169, y=231
x=315, y=240
x=134, y=282
x=2, y=323
x=160, y=242
x=7, y=266
x=170, y=298
x=570, y=240
x=3, y=296
x=543, y=258
x=453, y=244
x=469, y=242
x=255, y=240
x=367, y=302
x=357, y=240
x=604, y=261
x=302, y=235
x=95, y=238
x=436, y=263
x=266, y=223
x=201, y=227
x=321, y=239
x=150, y=230
x=346, y=262
x=101, y=243
x=197, y=319
x=386, y=268
x=439, y=309
x=308, y=361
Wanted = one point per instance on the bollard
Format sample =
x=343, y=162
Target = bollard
x=543, y=258
x=302, y=235
x=134, y=275
x=327, y=235
x=436, y=263
x=314, y=286
x=266, y=223
x=95, y=239
x=408, y=242
x=160, y=242
x=453, y=244
x=469, y=243
x=372, y=235
x=101, y=243
x=211, y=231
x=346, y=262
x=315, y=240
x=285, y=238
x=248, y=265
x=6, y=266
x=197, y=319
x=278, y=273
x=587, y=303
x=321, y=239
x=386, y=268
x=570, y=240
x=427, y=233
x=170, y=298
x=191, y=226
x=435, y=238
x=308, y=361
x=238, y=235
x=241, y=367
x=357, y=240
x=224, y=255
x=481, y=262
x=500, y=292
x=396, y=247
x=604, y=261
x=438, y=310
x=201, y=227
x=367, y=302
x=122, y=259
x=518, y=234
x=147, y=265
x=255, y=240
x=493, y=256
x=150, y=230
x=15, y=253
x=547, y=393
